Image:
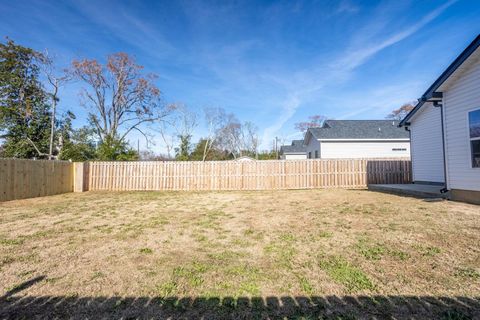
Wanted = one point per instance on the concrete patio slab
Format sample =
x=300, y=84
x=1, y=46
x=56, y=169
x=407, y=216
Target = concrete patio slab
x=415, y=190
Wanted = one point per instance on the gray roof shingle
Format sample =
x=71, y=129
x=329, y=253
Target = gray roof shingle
x=359, y=129
x=296, y=147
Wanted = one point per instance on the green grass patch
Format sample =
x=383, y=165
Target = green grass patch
x=375, y=251
x=191, y=274
x=146, y=251
x=284, y=253
x=325, y=234
x=249, y=232
x=250, y=288
x=468, y=273
x=168, y=288
x=226, y=255
x=97, y=274
x=210, y=219
x=398, y=254
x=341, y=271
x=427, y=251
x=369, y=250
x=305, y=285
x=11, y=242
x=287, y=237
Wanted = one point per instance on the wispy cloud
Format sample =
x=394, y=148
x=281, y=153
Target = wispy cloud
x=357, y=56
x=346, y=6
x=308, y=82
x=119, y=22
x=288, y=110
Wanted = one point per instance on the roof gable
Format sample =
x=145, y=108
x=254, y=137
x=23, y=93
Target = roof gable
x=359, y=129
x=453, y=69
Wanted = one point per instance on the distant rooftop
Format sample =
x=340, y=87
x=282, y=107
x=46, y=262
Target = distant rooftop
x=296, y=147
x=359, y=129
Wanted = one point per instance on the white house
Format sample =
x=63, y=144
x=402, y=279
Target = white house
x=295, y=151
x=357, y=139
x=445, y=129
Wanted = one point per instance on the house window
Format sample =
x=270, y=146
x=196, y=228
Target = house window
x=316, y=154
x=474, y=131
x=309, y=155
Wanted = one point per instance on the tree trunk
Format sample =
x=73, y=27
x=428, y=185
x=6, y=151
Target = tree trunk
x=52, y=122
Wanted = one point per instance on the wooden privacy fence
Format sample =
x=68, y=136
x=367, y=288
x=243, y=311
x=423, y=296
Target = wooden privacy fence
x=21, y=178
x=252, y=175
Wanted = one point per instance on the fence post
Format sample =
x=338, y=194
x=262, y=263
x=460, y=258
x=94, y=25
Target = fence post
x=80, y=176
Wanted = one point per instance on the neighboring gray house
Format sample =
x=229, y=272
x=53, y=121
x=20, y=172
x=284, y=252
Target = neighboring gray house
x=357, y=139
x=294, y=151
x=445, y=128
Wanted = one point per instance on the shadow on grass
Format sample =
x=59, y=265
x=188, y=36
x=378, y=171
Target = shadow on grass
x=311, y=307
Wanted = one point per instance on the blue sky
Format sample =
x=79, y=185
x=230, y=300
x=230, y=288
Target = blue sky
x=270, y=62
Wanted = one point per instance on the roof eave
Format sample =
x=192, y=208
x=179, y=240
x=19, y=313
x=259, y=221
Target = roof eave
x=431, y=94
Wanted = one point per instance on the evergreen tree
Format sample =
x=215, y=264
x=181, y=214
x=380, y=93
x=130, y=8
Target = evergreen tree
x=183, y=152
x=114, y=149
x=24, y=113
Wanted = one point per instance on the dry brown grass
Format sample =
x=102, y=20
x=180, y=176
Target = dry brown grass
x=253, y=244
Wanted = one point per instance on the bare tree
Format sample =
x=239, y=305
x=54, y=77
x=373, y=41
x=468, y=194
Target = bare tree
x=119, y=96
x=179, y=123
x=400, y=113
x=250, y=138
x=56, y=79
x=215, y=119
x=313, y=121
x=229, y=136
x=169, y=138
x=186, y=120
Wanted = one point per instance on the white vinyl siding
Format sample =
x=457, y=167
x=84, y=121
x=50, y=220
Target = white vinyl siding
x=294, y=156
x=427, y=145
x=364, y=149
x=462, y=96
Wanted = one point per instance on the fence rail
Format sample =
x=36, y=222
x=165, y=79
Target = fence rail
x=254, y=175
x=21, y=178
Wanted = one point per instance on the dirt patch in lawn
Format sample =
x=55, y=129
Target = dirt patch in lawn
x=310, y=243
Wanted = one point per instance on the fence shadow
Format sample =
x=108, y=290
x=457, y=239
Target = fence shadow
x=286, y=307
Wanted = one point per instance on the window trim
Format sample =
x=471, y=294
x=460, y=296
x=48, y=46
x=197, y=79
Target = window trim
x=470, y=139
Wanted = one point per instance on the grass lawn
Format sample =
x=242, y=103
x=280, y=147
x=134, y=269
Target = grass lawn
x=341, y=254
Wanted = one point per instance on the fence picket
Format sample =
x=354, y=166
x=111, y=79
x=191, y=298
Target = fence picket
x=233, y=175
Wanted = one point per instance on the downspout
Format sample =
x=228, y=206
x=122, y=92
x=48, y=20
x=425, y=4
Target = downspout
x=440, y=105
x=407, y=128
